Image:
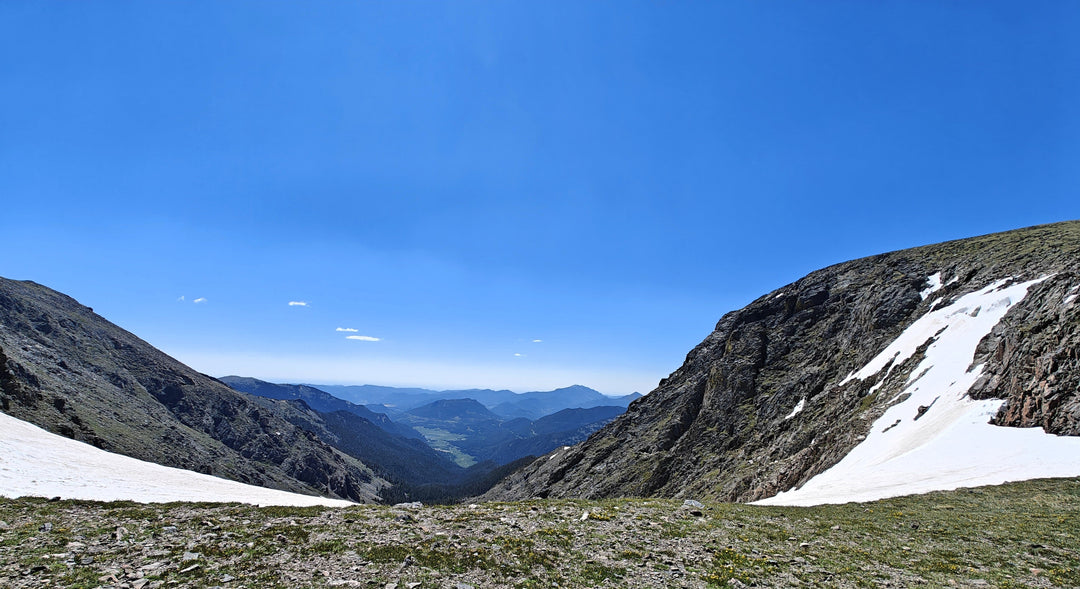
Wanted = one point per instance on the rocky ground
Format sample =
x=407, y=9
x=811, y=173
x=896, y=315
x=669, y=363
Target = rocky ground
x=1019, y=535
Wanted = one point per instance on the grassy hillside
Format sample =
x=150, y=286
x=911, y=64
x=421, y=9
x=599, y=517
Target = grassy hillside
x=1017, y=535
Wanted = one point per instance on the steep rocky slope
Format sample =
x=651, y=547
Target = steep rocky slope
x=764, y=403
x=71, y=372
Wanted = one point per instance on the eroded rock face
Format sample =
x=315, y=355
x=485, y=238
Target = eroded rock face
x=724, y=425
x=1033, y=360
x=67, y=370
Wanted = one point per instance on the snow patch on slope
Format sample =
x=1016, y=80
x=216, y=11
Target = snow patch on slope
x=933, y=283
x=34, y=462
x=937, y=320
x=938, y=438
x=797, y=410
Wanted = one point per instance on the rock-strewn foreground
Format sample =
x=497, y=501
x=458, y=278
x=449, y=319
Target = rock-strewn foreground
x=1016, y=535
x=764, y=403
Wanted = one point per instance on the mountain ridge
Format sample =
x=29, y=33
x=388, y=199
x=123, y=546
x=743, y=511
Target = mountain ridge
x=511, y=403
x=72, y=372
x=317, y=399
x=722, y=425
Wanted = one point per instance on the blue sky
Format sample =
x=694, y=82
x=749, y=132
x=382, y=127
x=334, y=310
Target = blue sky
x=461, y=179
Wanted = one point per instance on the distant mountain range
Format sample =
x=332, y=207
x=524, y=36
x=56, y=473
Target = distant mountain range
x=505, y=404
x=71, y=372
x=948, y=365
x=318, y=400
x=463, y=431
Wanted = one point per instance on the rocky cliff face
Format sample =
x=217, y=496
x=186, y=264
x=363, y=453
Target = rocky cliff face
x=68, y=370
x=723, y=425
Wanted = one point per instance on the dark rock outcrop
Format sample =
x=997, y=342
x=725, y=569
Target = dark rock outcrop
x=724, y=426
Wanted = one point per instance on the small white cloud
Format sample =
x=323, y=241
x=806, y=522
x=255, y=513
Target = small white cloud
x=519, y=355
x=349, y=329
x=537, y=341
x=180, y=299
x=363, y=338
x=298, y=303
x=199, y=300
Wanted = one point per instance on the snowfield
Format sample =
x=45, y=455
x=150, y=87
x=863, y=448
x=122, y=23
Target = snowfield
x=38, y=463
x=939, y=438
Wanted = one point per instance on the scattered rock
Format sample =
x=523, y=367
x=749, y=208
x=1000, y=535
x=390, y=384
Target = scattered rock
x=188, y=556
x=692, y=503
x=411, y=505
x=45, y=527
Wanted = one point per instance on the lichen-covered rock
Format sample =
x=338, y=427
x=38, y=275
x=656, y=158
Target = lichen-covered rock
x=758, y=407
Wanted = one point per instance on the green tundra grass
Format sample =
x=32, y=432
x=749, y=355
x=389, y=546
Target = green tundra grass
x=1017, y=535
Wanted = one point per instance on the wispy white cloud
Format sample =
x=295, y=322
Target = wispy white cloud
x=537, y=341
x=363, y=338
x=519, y=355
x=298, y=303
x=180, y=299
x=349, y=329
x=199, y=300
